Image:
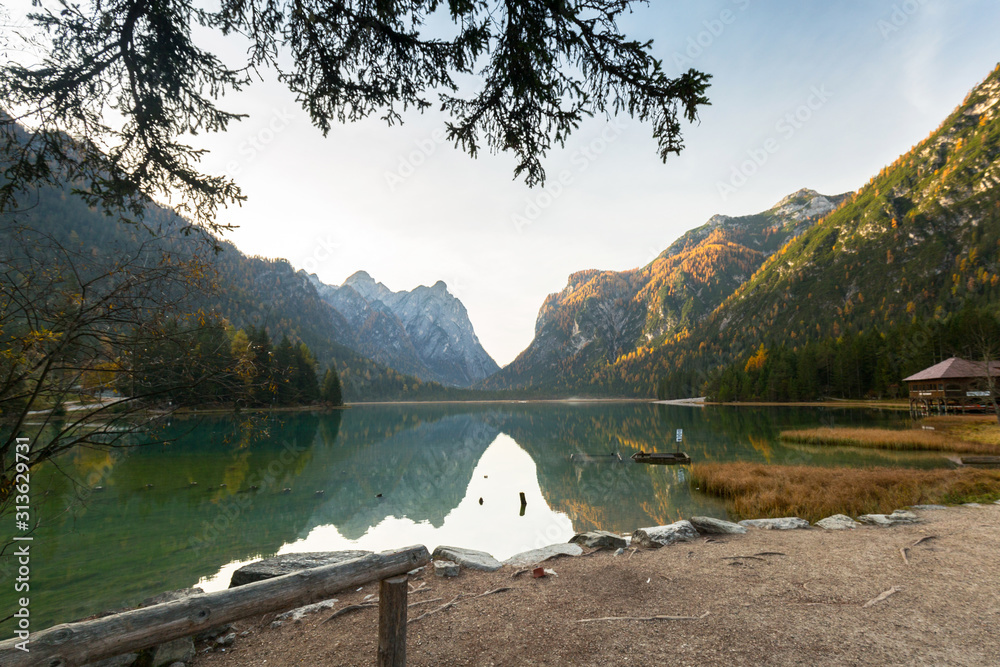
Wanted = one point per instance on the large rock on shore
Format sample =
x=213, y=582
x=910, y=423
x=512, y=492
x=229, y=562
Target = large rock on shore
x=596, y=539
x=538, y=555
x=661, y=536
x=706, y=525
x=784, y=523
x=470, y=558
x=837, y=522
x=894, y=519
x=289, y=563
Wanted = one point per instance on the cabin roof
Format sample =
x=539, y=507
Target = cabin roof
x=955, y=368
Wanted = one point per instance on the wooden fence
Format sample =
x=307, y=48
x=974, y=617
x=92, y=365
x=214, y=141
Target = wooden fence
x=73, y=644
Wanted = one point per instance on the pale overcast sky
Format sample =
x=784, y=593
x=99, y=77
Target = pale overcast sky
x=876, y=77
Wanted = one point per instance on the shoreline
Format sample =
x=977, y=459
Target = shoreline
x=906, y=594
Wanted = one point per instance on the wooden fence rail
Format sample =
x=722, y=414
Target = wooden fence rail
x=73, y=644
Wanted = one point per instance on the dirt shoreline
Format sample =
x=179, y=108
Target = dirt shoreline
x=776, y=598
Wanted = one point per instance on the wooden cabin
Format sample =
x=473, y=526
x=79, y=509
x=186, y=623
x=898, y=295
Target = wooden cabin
x=954, y=385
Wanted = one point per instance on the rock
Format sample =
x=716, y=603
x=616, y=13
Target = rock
x=125, y=660
x=276, y=624
x=446, y=568
x=296, y=615
x=545, y=553
x=598, y=538
x=837, y=522
x=619, y=552
x=179, y=650
x=212, y=633
x=971, y=505
x=659, y=536
x=928, y=507
x=226, y=640
x=474, y=560
x=706, y=525
x=784, y=523
x=996, y=502
x=288, y=563
x=897, y=517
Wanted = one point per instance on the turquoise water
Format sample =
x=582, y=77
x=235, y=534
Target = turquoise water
x=378, y=477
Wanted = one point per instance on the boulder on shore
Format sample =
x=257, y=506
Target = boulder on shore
x=470, y=558
x=660, y=536
x=289, y=563
x=894, y=519
x=595, y=539
x=838, y=522
x=446, y=568
x=538, y=555
x=706, y=525
x=784, y=523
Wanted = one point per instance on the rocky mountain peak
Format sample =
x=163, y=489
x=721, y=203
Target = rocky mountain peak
x=425, y=332
x=803, y=205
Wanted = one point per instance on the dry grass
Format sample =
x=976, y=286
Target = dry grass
x=753, y=490
x=953, y=439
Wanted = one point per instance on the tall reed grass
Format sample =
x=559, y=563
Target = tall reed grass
x=753, y=490
x=879, y=438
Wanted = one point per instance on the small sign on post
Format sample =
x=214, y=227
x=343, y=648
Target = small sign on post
x=680, y=435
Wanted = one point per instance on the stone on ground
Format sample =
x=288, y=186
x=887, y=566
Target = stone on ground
x=928, y=507
x=837, y=522
x=599, y=538
x=288, y=563
x=446, y=568
x=894, y=519
x=474, y=560
x=706, y=525
x=784, y=523
x=972, y=505
x=296, y=615
x=660, y=536
x=179, y=650
x=545, y=553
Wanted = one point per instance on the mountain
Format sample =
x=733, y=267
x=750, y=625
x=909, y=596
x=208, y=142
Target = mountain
x=602, y=317
x=247, y=290
x=913, y=253
x=425, y=332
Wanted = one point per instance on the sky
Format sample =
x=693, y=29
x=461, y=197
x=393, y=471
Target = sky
x=834, y=89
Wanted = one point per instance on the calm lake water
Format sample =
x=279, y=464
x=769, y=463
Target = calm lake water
x=378, y=477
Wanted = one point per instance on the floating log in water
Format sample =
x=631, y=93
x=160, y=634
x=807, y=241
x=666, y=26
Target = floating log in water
x=981, y=460
x=661, y=457
x=579, y=457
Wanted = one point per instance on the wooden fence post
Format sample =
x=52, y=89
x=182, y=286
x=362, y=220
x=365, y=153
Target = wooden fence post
x=392, y=594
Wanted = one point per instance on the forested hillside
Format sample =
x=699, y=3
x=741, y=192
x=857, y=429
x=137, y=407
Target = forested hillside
x=904, y=273
x=246, y=291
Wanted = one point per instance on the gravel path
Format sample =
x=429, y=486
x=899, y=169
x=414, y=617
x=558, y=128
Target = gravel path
x=771, y=598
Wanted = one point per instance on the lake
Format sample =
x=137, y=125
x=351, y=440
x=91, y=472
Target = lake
x=377, y=477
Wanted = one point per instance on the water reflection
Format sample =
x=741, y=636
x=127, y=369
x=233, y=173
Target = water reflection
x=386, y=476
